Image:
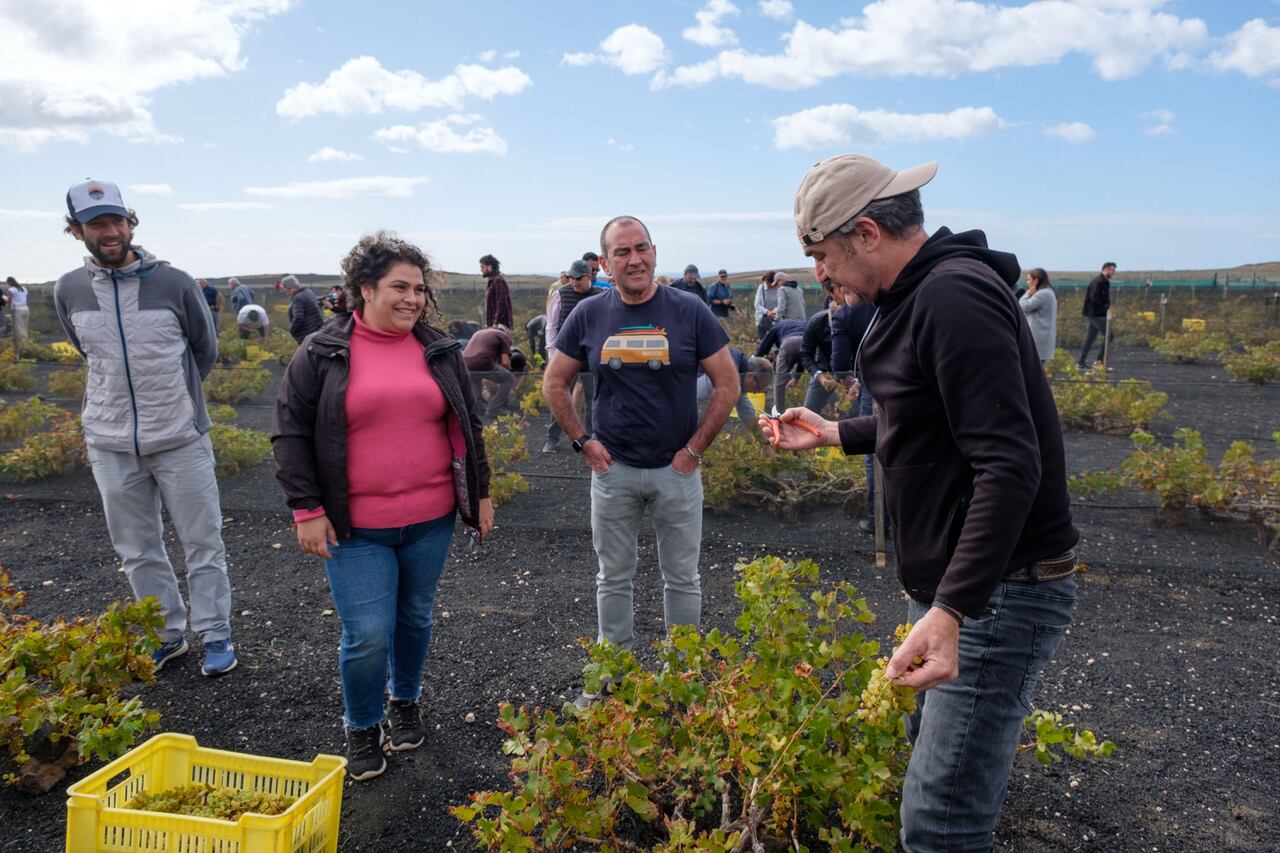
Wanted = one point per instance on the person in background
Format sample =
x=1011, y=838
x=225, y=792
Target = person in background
x=566, y=300
x=378, y=447
x=4, y=300
x=305, y=313
x=975, y=473
x=851, y=316
x=214, y=299
x=720, y=297
x=18, y=309
x=241, y=295
x=593, y=261
x=786, y=336
x=336, y=300
x=766, y=303
x=790, y=299
x=1097, y=301
x=147, y=337
x=1040, y=305
x=488, y=357
x=536, y=331
x=497, y=295
x=252, y=319
x=690, y=282
x=754, y=375
x=815, y=358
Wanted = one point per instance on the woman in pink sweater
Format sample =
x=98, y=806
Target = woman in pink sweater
x=378, y=448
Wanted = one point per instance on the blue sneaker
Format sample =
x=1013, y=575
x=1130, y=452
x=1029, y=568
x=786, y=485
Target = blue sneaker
x=219, y=658
x=175, y=649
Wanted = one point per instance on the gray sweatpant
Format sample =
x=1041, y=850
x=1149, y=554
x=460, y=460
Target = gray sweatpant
x=619, y=498
x=132, y=488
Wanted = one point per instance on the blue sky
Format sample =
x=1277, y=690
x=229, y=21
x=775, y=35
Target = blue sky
x=267, y=135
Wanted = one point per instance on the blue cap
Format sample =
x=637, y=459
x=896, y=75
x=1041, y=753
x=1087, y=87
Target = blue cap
x=94, y=198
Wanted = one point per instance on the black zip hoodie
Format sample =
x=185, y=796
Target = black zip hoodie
x=309, y=431
x=968, y=433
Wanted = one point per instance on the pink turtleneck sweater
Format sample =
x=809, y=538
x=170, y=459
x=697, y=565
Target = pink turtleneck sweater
x=398, y=449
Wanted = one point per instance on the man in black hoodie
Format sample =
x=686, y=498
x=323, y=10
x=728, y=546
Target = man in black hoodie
x=1097, y=302
x=975, y=482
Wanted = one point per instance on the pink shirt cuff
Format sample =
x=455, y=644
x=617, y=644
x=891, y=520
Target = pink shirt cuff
x=307, y=514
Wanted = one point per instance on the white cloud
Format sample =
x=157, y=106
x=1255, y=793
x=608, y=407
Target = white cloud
x=632, y=49
x=362, y=85
x=346, y=188
x=511, y=55
x=151, y=189
x=708, y=31
x=779, y=10
x=54, y=82
x=441, y=138
x=943, y=38
x=1161, y=122
x=1074, y=132
x=1253, y=50
x=624, y=147
x=487, y=55
x=333, y=155
x=208, y=206
x=845, y=124
x=35, y=215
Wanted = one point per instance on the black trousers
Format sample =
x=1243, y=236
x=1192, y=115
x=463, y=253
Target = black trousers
x=1094, y=326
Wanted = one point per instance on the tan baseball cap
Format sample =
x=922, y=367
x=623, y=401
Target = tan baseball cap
x=834, y=190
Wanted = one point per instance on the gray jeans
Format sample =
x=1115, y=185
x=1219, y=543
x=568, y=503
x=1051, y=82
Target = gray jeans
x=132, y=488
x=619, y=498
x=788, y=361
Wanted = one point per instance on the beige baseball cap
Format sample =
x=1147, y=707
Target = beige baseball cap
x=834, y=190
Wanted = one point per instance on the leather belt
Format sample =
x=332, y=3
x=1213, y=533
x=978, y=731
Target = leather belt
x=1043, y=571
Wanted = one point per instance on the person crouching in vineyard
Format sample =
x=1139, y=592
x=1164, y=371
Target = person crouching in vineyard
x=378, y=446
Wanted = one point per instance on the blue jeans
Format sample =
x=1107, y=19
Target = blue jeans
x=965, y=732
x=384, y=586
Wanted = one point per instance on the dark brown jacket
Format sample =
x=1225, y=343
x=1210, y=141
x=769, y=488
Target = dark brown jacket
x=968, y=433
x=309, y=433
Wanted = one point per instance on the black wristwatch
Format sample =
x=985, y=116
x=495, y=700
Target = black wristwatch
x=579, y=442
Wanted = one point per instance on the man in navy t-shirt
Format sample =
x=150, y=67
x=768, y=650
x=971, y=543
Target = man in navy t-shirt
x=643, y=344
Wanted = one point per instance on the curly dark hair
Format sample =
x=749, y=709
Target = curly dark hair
x=72, y=225
x=370, y=260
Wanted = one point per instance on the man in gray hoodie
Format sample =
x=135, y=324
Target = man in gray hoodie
x=148, y=338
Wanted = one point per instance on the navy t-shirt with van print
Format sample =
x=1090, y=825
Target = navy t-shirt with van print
x=645, y=361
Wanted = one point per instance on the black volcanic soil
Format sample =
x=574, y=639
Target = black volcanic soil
x=1170, y=655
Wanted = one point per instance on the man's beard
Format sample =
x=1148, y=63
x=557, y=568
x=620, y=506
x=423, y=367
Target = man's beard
x=122, y=254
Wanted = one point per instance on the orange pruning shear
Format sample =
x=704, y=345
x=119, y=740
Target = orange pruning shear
x=776, y=435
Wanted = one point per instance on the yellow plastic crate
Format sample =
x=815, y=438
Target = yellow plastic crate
x=1192, y=324
x=97, y=821
x=1149, y=316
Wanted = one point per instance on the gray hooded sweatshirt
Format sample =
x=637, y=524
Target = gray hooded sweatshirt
x=148, y=337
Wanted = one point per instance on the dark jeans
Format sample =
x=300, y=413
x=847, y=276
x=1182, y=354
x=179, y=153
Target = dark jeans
x=384, y=586
x=1094, y=326
x=965, y=733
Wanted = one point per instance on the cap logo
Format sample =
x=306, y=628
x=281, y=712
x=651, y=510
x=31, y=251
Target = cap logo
x=96, y=193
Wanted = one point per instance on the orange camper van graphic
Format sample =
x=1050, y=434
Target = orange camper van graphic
x=636, y=345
